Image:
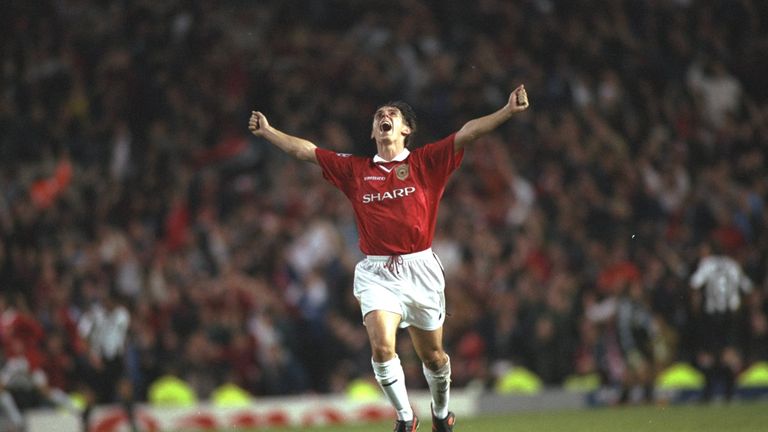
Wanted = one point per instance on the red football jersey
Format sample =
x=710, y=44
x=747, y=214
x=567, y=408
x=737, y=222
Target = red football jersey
x=395, y=202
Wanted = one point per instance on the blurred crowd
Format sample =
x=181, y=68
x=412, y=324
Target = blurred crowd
x=135, y=207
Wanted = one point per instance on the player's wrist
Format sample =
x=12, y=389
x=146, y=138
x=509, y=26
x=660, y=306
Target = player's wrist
x=268, y=131
x=508, y=111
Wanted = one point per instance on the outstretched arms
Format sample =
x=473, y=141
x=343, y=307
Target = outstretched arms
x=297, y=147
x=474, y=129
x=305, y=150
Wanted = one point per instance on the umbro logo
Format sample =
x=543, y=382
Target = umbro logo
x=374, y=178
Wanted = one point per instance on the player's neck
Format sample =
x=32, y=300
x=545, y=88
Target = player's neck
x=388, y=150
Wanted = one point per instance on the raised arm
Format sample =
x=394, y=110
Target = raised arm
x=297, y=147
x=474, y=129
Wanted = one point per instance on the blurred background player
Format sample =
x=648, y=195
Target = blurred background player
x=105, y=328
x=636, y=331
x=395, y=197
x=719, y=283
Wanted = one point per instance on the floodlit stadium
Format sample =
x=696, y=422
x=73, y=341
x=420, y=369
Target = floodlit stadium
x=338, y=215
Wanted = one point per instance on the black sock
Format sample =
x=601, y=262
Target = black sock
x=86, y=417
x=710, y=378
x=729, y=380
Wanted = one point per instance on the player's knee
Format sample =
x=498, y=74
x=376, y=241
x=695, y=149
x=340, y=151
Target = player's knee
x=731, y=359
x=382, y=353
x=705, y=359
x=435, y=359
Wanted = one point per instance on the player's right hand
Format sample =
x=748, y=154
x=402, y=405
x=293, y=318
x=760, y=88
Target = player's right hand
x=258, y=123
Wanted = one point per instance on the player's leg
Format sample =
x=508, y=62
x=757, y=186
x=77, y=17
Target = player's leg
x=437, y=370
x=424, y=311
x=382, y=331
x=731, y=359
x=10, y=409
x=731, y=364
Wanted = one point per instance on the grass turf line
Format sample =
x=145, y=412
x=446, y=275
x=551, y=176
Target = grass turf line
x=735, y=417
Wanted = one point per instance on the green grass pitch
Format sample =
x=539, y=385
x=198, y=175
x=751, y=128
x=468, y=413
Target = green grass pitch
x=741, y=417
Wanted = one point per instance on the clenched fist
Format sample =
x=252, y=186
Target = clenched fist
x=258, y=123
x=518, y=100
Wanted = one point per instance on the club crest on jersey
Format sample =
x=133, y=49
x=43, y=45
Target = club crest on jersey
x=402, y=171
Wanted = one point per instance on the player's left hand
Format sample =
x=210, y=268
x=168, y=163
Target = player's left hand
x=258, y=123
x=518, y=100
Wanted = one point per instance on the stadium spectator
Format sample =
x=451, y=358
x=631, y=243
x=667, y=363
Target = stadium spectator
x=22, y=373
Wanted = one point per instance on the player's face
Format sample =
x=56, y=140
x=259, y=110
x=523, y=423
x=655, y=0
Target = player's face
x=388, y=124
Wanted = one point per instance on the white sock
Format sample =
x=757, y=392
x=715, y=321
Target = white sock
x=391, y=379
x=11, y=409
x=439, y=382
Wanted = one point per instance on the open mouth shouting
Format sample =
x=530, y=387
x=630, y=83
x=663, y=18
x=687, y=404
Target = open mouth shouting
x=385, y=125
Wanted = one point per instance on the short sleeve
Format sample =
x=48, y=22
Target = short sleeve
x=337, y=167
x=440, y=158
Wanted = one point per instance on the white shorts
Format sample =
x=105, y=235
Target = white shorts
x=411, y=285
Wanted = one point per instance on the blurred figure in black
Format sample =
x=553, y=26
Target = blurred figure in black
x=636, y=331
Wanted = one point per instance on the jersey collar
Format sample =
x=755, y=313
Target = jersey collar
x=399, y=158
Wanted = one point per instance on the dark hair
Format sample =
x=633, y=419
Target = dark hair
x=409, y=117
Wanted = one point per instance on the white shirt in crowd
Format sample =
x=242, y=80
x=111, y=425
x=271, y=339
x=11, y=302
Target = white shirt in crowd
x=105, y=330
x=722, y=279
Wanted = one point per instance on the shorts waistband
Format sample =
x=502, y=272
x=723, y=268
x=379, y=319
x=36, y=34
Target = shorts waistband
x=406, y=257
